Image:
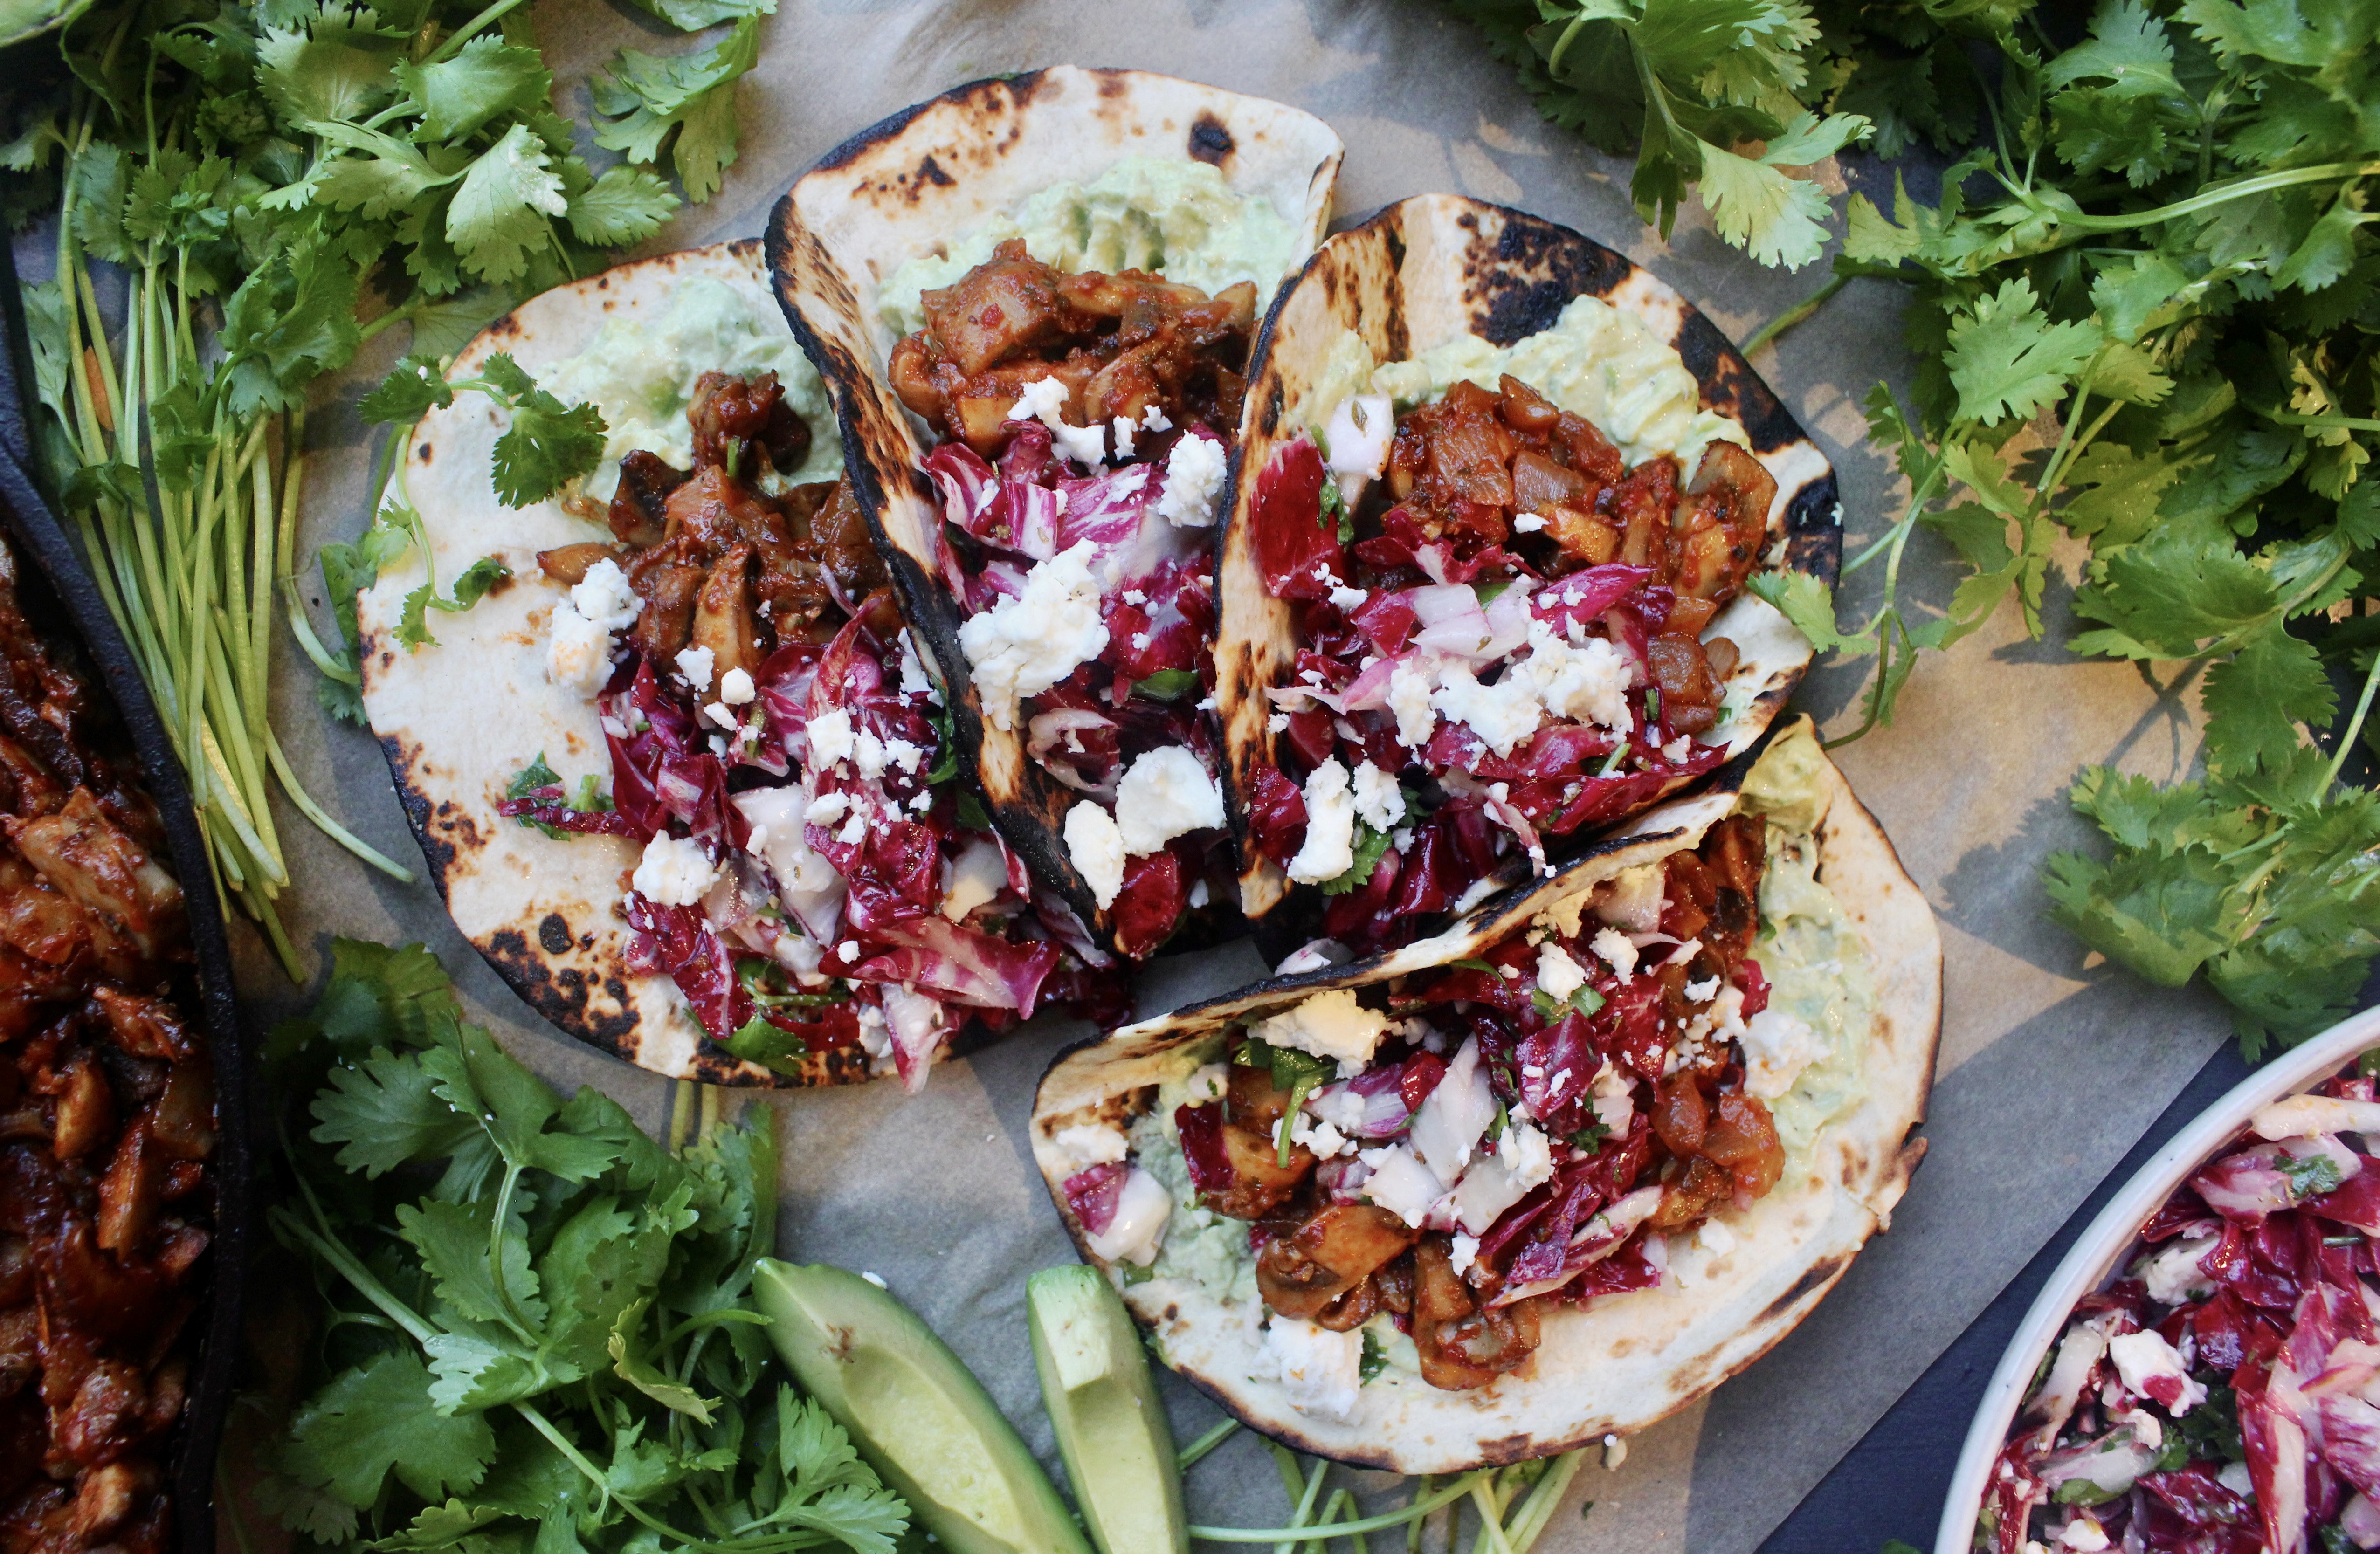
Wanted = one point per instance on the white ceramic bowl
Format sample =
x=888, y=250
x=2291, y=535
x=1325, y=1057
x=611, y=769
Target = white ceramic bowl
x=2109, y=1238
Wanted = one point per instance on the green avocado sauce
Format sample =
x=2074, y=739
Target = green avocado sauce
x=641, y=371
x=1178, y=218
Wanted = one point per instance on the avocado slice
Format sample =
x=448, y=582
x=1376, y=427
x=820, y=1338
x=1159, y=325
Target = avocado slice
x=1111, y=1429
x=916, y=1412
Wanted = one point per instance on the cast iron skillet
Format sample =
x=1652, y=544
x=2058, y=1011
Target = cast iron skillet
x=43, y=539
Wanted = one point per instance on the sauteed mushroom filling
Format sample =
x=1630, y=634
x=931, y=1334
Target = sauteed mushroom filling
x=1500, y=632
x=1086, y=418
x=107, y=1120
x=811, y=882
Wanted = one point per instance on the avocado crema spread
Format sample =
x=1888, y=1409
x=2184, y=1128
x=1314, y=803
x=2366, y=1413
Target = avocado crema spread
x=1143, y=214
x=641, y=372
x=1596, y=361
x=1571, y=1115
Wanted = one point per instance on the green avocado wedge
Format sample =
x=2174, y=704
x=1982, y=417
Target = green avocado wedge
x=1112, y=1428
x=914, y=1411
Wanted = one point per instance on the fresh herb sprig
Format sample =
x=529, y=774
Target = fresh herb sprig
x=1690, y=86
x=2147, y=315
x=539, y=1330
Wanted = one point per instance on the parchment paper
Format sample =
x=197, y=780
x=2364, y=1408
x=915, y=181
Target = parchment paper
x=2050, y=1064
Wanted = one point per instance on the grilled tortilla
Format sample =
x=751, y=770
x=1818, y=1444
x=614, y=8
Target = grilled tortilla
x=1424, y=273
x=906, y=189
x=1622, y=1362
x=458, y=720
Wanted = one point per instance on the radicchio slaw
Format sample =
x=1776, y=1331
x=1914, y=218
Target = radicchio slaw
x=812, y=878
x=1076, y=541
x=2221, y=1394
x=1499, y=644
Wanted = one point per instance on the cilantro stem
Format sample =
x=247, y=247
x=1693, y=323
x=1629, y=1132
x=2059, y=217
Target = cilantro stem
x=2206, y=199
x=2342, y=423
x=1386, y=1518
x=1537, y=1511
x=1793, y=315
x=1491, y=1514
x=1198, y=1450
x=2354, y=726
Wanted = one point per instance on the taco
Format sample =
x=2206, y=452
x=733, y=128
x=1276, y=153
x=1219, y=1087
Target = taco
x=1548, y=1176
x=1484, y=585
x=1032, y=301
x=683, y=779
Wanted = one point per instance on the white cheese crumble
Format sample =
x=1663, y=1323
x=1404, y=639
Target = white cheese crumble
x=1379, y=802
x=827, y=808
x=1091, y=1143
x=1330, y=1025
x=1045, y=401
x=1329, y=849
x=1409, y=698
x=1465, y=1251
x=1617, y=950
x=1777, y=1047
x=831, y=739
x=1559, y=976
x=1529, y=523
x=1320, y=1371
x=736, y=689
x=1502, y=715
x=674, y=872
x=1715, y=1238
x=1166, y=793
x=604, y=597
x=1024, y=645
x=695, y=663
x=1347, y=598
x=1194, y=477
x=1096, y=845
x=914, y=679
x=577, y=651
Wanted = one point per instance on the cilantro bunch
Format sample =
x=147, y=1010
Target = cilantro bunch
x=2146, y=315
x=244, y=193
x=1716, y=96
x=537, y=1335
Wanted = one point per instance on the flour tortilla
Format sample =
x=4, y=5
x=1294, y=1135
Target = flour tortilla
x=929, y=175
x=459, y=720
x=1421, y=274
x=1626, y=1361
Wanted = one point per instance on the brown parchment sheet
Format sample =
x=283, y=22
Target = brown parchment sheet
x=2051, y=1064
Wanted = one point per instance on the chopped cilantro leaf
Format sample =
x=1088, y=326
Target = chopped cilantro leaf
x=1374, y=1360
x=1371, y=845
x=2311, y=1176
x=1168, y=684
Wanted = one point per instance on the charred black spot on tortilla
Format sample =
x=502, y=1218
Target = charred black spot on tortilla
x=587, y=941
x=1209, y=142
x=508, y=325
x=1730, y=385
x=425, y=453
x=1813, y=541
x=554, y=934
x=1813, y=1281
x=1505, y=1450
x=1271, y=421
x=571, y=977
x=437, y=853
x=929, y=171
